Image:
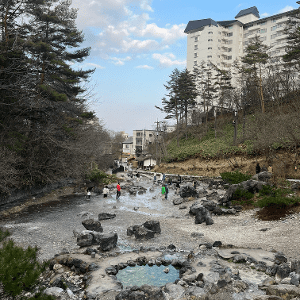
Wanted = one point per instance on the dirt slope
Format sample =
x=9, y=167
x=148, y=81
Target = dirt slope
x=283, y=165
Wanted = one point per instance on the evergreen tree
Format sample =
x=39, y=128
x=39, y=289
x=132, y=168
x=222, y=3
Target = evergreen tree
x=254, y=60
x=293, y=45
x=45, y=127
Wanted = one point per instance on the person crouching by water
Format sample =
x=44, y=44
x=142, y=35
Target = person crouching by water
x=118, y=190
x=105, y=192
x=88, y=195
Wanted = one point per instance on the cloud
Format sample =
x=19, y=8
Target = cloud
x=120, y=61
x=285, y=9
x=145, y=67
x=94, y=65
x=118, y=27
x=168, y=60
x=264, y=15
x=167, y=35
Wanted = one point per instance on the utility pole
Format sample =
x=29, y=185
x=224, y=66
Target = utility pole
x=235, y=127
x=156, y=140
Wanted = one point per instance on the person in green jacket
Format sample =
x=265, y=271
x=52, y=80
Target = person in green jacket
x=163, y=190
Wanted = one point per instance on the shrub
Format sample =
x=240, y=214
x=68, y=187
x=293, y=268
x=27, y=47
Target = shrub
x=19, y=268
x=235, y=177
x=279, y=201
x=100, y=176
x=242, y=197
x=268, y=190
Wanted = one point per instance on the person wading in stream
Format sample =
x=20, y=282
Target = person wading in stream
x=118, y=190
x=163, y=191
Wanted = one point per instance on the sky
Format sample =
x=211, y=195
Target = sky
x=136, y=44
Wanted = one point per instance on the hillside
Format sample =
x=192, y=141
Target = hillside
x=283, y=166
x=270, y=139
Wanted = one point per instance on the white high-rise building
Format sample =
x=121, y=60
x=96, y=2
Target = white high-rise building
x=221, y=42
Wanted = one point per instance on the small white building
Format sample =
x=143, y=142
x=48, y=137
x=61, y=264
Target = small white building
x=149, y=162
x=128, y=146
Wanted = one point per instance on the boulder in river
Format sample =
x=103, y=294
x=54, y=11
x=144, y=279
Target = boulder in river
x=105, y=216
x=93, y=225
x=187, y=190
x=108, y=241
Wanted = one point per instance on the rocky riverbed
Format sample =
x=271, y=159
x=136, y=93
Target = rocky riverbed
x=230, y=269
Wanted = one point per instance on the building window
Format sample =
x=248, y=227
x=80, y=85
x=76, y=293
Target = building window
x=150, y=134
x=195, y=54
x=196, y=39
x=230, y=34
x=274, y=28
x=273, y=20
x=229, y=27
x=229, y=49
x=138, y=134
x=209, y=48
x=209, y=56
x=229, y=42
x=210, y=32
x=263, y=30
x=195, y=63
x=262, y=23
x=210, y=40
x=196, y=47
x=273, y=36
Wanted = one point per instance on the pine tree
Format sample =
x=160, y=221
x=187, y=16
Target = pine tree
x=253, y=63
x=293, y=45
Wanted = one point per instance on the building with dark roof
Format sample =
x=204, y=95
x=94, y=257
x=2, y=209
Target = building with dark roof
x=223, y=42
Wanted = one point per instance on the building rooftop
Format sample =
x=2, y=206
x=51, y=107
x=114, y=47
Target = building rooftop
x=129, y=140
x=227, y=23
x=251, y=10
x=193, y=25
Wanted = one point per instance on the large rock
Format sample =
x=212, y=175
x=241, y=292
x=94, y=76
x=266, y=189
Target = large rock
x=144, y=292
x=91, y=224
x=174, y=291
x=263, y=176
x=286, y=291
x=203, y=215
x=143, y=233
x=85, y=239
x=252, y=186
x=295, y=265
x=178, y=201
x=105, y=216
x=197, y=206
x=209, y=205
x=108, y=241
x=283, y=271
x=187, y=191
x=153, y=225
